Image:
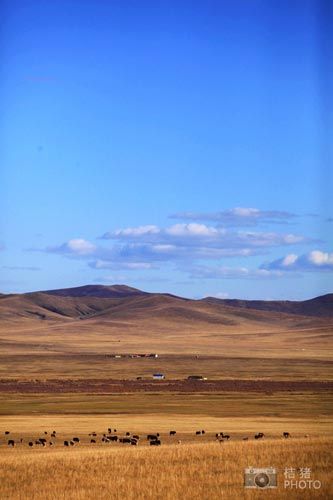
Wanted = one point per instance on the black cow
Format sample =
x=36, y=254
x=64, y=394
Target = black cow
x=72, y=443
x=66, y=443
x=260, y=435
x=109, y=430
x=155, y=442
x=11, y=442
x=45, y=432
x=172, y=433
x=198, y=433
x=113, y=438
x=31, y=443
x=226, y=437
x=93, y=440
x=76, y=440
x=134, y=442
x=286, y=435
x=135, y=436
x=202, y=432
x=245, y=439
x=124, y=440
x=152, y=436
x=7, y=432
x=128, y=433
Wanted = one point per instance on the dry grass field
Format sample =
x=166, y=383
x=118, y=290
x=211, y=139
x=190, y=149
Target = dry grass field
x=175, y=366
x=56, y=374
x=197, y=406
x=173, y=472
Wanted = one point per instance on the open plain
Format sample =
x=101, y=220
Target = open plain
x=68, y=363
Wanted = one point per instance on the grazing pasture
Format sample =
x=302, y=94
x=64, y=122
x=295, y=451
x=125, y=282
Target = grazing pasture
x=79, y=418
x=172, y=472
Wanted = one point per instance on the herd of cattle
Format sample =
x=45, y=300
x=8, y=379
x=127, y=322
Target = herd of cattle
x=111, y=436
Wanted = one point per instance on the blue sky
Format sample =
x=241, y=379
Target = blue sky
x=173, y=146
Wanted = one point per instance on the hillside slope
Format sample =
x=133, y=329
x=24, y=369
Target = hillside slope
x=319, y=306
x=125, y=304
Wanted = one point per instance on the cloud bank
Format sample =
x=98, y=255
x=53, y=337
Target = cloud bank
x=316, y=260
x=203, y=238
x=239, y=216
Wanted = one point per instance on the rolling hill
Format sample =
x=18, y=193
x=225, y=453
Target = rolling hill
x=319, y=306
x=123, y=303
x=73, y=330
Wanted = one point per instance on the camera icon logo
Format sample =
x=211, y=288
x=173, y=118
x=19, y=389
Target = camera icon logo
x=260, y=478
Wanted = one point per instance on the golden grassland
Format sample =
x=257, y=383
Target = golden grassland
x=175, y=366
x=242, y=345
x=240, y=415
x=289, y=337
x=31, y=427
x=172, y=472
x=285, y=405
x=78, y=349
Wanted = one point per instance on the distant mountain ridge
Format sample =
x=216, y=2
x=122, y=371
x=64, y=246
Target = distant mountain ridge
x=122, y=303
x=321, y=306
x=103, y=291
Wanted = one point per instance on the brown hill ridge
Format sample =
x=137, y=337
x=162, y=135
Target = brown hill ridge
x=123, y=304
x=321, y=306
x=111, y=292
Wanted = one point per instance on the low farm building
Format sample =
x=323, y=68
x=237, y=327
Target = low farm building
x=158, y=376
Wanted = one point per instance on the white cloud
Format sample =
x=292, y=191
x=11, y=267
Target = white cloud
x=81, y=247
x=134, y=231
x=223, y=272
x=238, y=216
x=245, y=212
x=189, y=244
x=319, y=258
x=203, y=236
x=315, y=260
x=74, y=247
x=289, y=260
x=192, y=230
x=104, y=264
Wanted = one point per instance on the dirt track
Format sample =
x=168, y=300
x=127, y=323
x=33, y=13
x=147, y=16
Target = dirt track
x=98, y=386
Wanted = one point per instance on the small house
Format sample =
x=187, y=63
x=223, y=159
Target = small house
x=158, y=376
